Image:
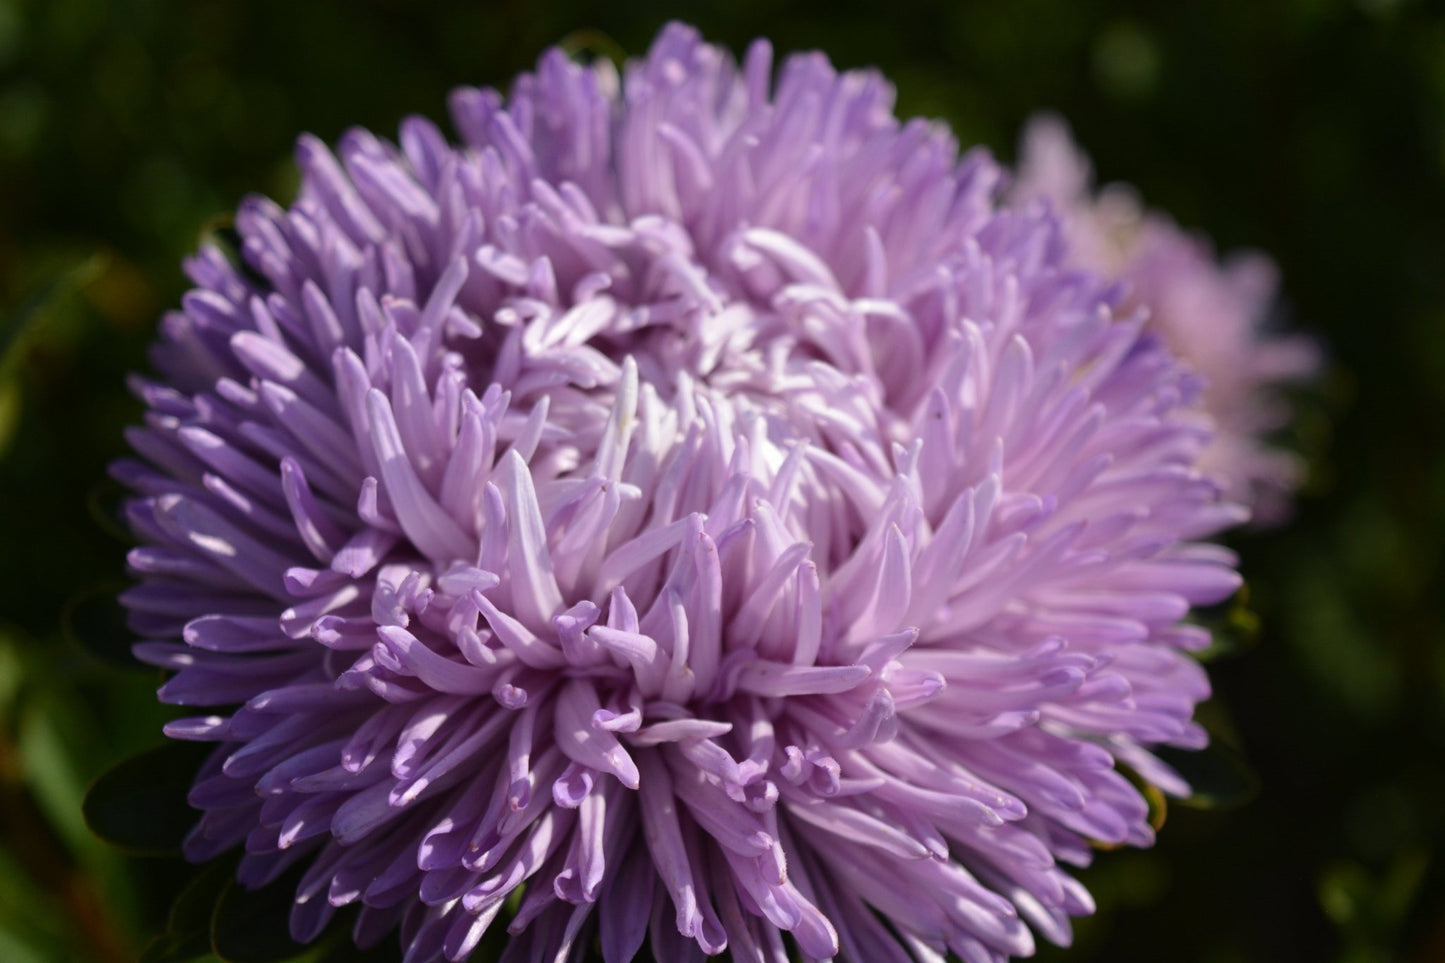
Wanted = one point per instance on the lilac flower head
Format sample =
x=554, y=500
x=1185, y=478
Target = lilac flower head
x=1212, y=314
x=690, y=509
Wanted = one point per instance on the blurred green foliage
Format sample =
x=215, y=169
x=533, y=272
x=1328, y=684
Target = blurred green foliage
x=1314, y=129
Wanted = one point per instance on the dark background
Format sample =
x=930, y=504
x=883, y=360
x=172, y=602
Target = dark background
x=1313, y=129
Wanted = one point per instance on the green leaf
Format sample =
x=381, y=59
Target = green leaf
x=18, y=332
x=251, y=926
x=12, y=671
x=1219, y=775
x=32, y=926
x=188, y=929
x=595, y=43
x=1234, y=627
x=52, y=743
x=15, y=949
x=94, y=620
x=341, y=949
x=140, y=804
x=19, y=325
x=9, y=413
x=105, y=504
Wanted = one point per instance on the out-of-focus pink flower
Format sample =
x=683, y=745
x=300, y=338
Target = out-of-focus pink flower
x=1214, y=314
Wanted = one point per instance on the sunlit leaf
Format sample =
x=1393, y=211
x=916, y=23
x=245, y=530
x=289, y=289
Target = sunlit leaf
x=15, y=949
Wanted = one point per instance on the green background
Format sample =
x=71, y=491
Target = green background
x=1312, y=129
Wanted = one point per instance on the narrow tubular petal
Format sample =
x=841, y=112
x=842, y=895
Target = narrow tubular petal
x=536, y=596
x=423, y=520
x=586, y=743
x=664, y=834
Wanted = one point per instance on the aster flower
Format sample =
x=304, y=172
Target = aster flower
x=1213, y=314
x=690, y=509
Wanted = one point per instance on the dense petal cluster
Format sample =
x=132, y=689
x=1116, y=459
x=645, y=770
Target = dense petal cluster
x=691, y=509
x=1213, y=315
